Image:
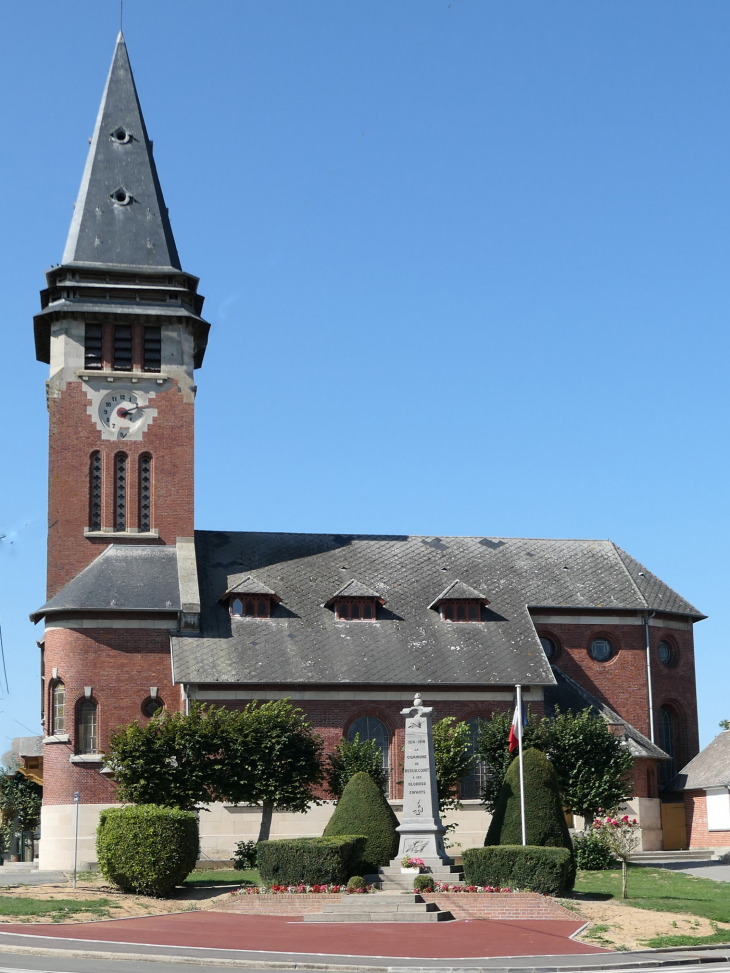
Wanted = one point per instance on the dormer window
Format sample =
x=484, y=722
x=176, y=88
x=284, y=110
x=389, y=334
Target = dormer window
x=250, y=598
x=356, y=609
x=355, y=602
x=460, y=603
x=468, y=610
x=258, y=607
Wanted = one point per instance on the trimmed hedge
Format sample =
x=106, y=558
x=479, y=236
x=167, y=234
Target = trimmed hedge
x=363, y=809
x=313, y=861
x=544, y=815
x=147, y=849
x=532, y=868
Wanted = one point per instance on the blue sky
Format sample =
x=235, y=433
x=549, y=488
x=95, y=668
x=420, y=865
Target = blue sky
x=466, y=265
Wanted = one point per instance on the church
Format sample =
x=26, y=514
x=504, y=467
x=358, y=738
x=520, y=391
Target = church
x=145, y=613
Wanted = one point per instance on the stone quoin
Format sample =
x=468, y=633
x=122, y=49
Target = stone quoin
x=144, y=612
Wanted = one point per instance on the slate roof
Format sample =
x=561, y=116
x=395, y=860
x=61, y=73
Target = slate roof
x=28, y=746
x=304, y=643
x=250, y=586
x=568, y=695
x=710, y=768
x=354, y=589
x=125, y=577
x=138, y=232
x=458, y=591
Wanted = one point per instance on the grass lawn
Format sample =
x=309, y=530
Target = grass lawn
x=717, y=938
x=222, y=876
x=56, y=909
x=663, y=891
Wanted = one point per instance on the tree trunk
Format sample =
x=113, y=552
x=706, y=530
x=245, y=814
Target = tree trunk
x=624, y=879
x=265, y=829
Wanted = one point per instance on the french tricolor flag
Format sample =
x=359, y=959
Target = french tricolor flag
x=514, y=741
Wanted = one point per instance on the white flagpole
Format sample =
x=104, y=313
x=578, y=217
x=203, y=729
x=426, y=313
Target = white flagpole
x=522, y=767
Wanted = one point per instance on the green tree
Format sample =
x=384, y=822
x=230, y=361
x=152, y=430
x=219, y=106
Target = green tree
x=350, y=758
x=175, y=760
x=264, y=754
x=592, y=763
x=20, y=804
x=271, y=757
x=451, y=747
x=724, y=724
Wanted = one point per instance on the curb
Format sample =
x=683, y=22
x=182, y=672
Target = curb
x=359, y=968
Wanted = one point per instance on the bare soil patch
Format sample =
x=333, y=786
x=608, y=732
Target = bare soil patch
x=618, y=926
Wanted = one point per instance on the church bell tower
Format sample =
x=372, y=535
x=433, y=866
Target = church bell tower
x=122, y=331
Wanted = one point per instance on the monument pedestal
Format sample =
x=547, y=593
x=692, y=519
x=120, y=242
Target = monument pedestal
x=421, y=831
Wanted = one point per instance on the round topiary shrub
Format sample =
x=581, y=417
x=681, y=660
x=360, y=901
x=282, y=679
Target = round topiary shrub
x=355, y=883
x=423, y=883
x=544, y=816
x=363, y=810
x=147, y=849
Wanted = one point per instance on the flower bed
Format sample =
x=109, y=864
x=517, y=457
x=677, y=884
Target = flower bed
x=301, y=890
x=445, y=887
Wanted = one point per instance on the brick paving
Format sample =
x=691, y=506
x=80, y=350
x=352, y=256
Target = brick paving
x=467, y=938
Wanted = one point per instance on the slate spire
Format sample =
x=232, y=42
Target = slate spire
x=120, y=217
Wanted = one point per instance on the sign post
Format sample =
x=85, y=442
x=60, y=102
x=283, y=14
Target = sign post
x=76, y=838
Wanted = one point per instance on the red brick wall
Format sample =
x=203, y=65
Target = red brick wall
x=73, y=436
x=698, y=836
x=621, y=682
x=333, y=718
x=120, y=665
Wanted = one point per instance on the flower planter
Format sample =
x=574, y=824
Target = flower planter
x=410, y=871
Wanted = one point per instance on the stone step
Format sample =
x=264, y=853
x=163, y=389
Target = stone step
x=372, y=905
x=378, y=917
x=19, y=867
x=685, y=854
x=379, y=908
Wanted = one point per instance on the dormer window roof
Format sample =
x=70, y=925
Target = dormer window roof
x=250, y=598
x=355, y=602
x=459, y=602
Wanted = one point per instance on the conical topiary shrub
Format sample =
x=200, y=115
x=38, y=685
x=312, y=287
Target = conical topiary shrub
x=363, y=810
x=544, y=816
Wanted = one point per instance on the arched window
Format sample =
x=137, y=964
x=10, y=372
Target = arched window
x=472, y=786
x=88, y=734
x=145, y=492
x=666, y=733
x=666, y=653
x=371, y=728
x=58, y=709
x=95, y=491
x=120, y=491
x=237, y=607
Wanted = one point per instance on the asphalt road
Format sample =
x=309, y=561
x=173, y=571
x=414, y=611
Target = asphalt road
x=12, y=963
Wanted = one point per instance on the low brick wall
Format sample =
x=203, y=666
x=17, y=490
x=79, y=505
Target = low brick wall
x=498, y=905
x=285, y=904
x=463, y=905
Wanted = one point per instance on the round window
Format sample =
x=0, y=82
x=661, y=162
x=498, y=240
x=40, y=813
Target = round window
x=601, y=650
x=151, y=707
x=548, y=646
x=666, y=655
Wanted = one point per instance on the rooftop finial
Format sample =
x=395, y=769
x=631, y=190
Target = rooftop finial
x=121, y=16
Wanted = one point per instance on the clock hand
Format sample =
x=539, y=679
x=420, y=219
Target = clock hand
x=122, y=412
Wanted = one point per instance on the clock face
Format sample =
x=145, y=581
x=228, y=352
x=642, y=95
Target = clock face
x=122, y=412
